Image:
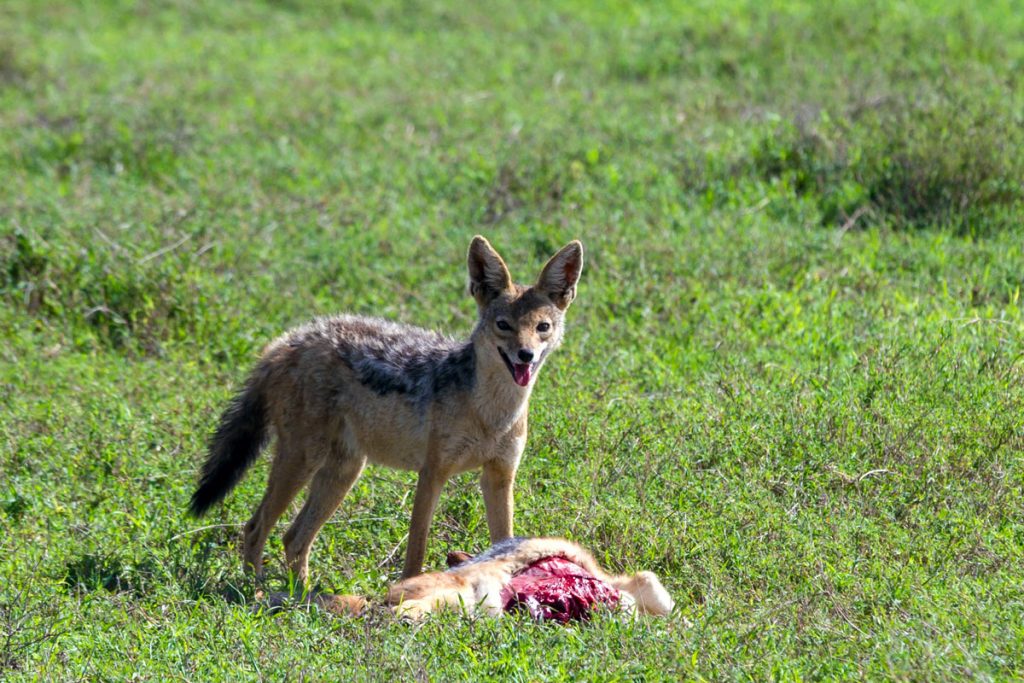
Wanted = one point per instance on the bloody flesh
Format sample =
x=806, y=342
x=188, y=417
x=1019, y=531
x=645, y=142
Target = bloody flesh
x=555, y=588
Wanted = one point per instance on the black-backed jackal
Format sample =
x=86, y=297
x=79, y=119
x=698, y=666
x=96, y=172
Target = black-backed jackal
x=343, y=391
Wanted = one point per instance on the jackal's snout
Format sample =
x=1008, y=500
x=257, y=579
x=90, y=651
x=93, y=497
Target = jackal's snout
x=522, y=372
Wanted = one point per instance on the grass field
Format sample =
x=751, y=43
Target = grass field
x=792, y=384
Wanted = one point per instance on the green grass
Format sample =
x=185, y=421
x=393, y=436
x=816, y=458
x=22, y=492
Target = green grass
x=793, y=383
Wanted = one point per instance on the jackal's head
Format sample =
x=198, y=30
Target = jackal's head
x=519, y=325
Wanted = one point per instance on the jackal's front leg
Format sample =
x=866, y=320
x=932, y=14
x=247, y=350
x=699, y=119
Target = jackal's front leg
x=428, y=490
x=496, y=482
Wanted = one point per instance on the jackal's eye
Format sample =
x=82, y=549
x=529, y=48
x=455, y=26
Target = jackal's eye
x=504, y=326
x=543, y=327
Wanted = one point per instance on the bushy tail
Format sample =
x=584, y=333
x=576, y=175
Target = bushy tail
x=236, y=444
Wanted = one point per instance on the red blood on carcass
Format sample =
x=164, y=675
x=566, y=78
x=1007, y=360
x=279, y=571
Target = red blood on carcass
x=555, y=588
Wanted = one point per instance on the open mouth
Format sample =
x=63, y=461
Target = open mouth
x=521, y=372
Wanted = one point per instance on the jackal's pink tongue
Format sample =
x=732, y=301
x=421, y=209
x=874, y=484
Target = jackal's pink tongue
x=521, y=373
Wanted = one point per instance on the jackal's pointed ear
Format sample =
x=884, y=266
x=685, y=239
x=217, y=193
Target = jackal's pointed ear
x=488, y=274
x=560, y=275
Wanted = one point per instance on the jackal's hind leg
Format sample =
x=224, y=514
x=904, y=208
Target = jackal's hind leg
x=331, y=484
x=288, y=474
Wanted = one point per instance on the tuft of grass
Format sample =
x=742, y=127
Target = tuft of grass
x=951, y=164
